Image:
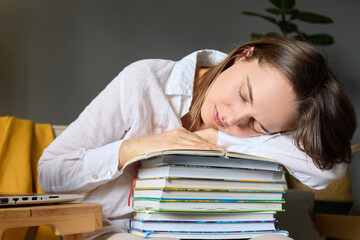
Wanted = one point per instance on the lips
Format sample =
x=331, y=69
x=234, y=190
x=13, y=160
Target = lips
x=217, y=119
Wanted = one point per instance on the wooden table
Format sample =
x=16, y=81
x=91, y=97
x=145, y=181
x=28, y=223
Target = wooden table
x=69, y=220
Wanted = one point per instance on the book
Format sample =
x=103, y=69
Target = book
x=207, y=194
x=139, y=204
x=202, y=226
x=210, y=172
x=193, y=183
x=223, y=155
x=204, y=235
x=191, y=216
x=230, y=161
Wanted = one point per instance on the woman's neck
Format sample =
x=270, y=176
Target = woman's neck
x=186, y=120
x=200, y=72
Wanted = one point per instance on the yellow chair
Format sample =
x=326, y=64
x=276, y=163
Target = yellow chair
x=21, y=145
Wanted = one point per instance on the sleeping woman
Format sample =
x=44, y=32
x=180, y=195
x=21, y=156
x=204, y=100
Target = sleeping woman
x=273, y=97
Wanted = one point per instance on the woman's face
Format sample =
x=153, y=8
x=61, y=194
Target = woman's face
x=249, y=100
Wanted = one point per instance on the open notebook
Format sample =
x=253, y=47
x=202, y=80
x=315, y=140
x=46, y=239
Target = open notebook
x=11, y=199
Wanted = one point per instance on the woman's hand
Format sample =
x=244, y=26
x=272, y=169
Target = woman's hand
x=179, y=138
x=210, y=134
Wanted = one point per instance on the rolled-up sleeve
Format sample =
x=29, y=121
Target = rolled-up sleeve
x=282, y=149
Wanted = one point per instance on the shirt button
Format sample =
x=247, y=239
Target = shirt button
x=95, y=177
x=109, y=173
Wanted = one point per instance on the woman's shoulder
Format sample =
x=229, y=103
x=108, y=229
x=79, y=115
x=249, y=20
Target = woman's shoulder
x=147, y=72
x=149, y=65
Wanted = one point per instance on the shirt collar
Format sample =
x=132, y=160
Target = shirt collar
x=181, y=80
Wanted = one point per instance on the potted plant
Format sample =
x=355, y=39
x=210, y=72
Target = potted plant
x=284, y=15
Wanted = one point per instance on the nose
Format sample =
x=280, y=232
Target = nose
x=236, y=117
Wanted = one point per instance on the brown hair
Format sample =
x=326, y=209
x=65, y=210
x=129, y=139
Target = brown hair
x=327, y=120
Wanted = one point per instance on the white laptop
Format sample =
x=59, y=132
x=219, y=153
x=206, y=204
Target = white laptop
x=11, y=199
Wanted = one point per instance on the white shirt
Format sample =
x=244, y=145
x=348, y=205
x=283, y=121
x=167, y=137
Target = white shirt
x=146, y=98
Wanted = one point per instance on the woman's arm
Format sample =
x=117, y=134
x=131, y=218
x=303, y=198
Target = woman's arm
x=93, y=149
x=85, y=155
x=281, y=148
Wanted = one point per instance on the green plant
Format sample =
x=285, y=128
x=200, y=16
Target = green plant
x=285, y=15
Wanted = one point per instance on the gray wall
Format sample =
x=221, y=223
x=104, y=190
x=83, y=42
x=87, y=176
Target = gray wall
x=57, y=55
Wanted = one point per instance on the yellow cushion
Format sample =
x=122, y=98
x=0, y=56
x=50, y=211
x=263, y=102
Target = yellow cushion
x=337, y=191
x=15, y=155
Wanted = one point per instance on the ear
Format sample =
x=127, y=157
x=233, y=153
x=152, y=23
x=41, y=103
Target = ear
x=248, y=52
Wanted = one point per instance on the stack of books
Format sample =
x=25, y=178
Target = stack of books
x=202, y=194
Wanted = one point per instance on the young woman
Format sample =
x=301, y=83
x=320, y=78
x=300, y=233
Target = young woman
x=273, y=97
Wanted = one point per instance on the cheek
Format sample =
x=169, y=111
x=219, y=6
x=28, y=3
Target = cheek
x=223, y=93
x=205, y=111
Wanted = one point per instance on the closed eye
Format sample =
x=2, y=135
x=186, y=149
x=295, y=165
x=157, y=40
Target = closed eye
x=251, y=125
x=242, y=96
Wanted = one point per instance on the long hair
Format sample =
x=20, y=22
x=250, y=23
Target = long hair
x=327, y=120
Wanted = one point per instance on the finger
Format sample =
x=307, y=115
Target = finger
x=181, y=134
x=182, y=138
x=196, y=144
x=193, y=139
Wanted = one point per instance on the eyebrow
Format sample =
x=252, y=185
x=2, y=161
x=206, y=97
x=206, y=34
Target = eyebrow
x=250, y=90
x=252, y=101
